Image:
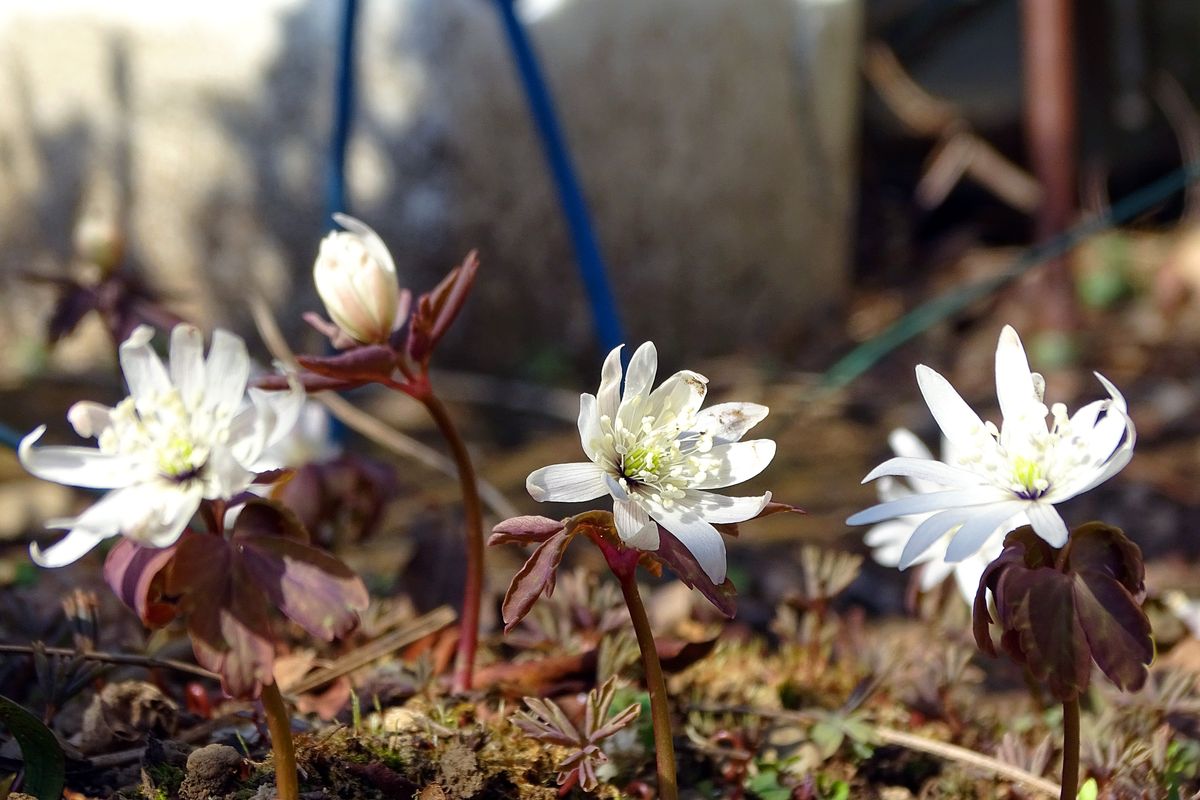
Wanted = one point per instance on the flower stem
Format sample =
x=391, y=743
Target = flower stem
x=468, y=638
x=664, y=747
x=279, y=722
x=1070, y=771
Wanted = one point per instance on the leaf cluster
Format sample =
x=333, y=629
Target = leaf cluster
x=1060, y=610
x=224, y=587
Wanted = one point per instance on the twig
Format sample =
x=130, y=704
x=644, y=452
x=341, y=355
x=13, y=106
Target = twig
x=368, y=426
x=422, y=626
x=112, y=658
x=950, y=752
x=959, y=151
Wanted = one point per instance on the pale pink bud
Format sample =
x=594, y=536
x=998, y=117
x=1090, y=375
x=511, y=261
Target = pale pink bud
x=356, y=279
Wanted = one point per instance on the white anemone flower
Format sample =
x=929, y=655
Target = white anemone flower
x=185, y=434
x=356, y=279
x=656, y=453
x=888, y=538
x=999, y=479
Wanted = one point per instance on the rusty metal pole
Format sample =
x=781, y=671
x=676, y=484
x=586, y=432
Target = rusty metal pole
x=1048, y=32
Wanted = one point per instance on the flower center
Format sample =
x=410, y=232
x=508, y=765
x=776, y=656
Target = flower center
x=173, y=442
x=660, y=454
x=1028, y=457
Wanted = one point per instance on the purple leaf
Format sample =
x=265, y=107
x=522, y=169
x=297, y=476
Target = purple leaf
x=261, y=517
x=226, y=614
x=1059, y=610
x=136, y=574
x=525, y=530
x=680, y=560
x=313, y=588
x=437, y=309
x=535, y=577
x=364, y=363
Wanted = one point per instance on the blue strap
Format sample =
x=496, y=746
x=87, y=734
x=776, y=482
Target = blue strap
x=605, y=318
x=343, y=114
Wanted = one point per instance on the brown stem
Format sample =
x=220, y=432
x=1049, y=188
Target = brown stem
x=1070, y=773
x=279, y=721
x=664, y=747
x=468, y=639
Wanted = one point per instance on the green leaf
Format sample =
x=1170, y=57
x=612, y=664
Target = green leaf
x=765, y=786
x=1089, y=791
x=45, y=764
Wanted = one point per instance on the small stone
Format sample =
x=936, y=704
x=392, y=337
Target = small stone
x=210, y=772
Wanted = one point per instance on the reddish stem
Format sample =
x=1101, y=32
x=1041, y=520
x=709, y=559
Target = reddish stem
x=468, y=640
x=624, y=565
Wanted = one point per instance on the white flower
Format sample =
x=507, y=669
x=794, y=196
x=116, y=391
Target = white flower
x=186, y=433
x=997, y=480
x=356, y=279
x=655, y=452
x=887, y=539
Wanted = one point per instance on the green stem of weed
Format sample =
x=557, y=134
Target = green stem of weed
x=468, y=639
x=279, y=722
x=664, y=746
x=1070, y=772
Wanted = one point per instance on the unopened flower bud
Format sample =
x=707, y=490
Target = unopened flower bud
x=356, y=279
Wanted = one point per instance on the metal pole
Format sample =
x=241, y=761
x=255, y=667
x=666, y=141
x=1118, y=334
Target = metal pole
x=1051, y=133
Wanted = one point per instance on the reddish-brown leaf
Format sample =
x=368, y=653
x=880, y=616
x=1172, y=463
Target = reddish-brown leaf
x=1058, y=611
x=536, y=577
x=226, y=614
x=136, y=574
x=525, y=530
x=680, y=560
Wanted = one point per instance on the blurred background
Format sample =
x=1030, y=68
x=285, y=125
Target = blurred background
x=762, y=177
x=766, y=186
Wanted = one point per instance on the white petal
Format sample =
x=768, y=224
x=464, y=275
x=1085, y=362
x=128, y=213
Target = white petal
x=681, y=395
x=371, y=240
x=1015, y=387
x=143, y=369
x=67, y=550
x=282, y=409
x=566, y=483
x=739, y=461
x=893, y=531
x=985, y=523
x=719, y=509
x=1047, y=523
x=958, y=422
x=224, y=475
x=226, y=371
x=635, y=526
x=928, y=533
x=615, y=488
x=608, y=396
x=187, y=364
x=729, y=422
x=933, y=572
x=697, y=535
x=968, y=573
x=76, y=466
x=923, y=503
x=88, y=418
x=886, y=541
x=906, y=444
x=173, y=510
x=589, y=424
x=640, y=375
x=925, y=470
